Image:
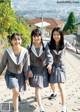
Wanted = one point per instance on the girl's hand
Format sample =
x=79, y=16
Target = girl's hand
x=49, y=67
x=30, y=74
x=26, y=82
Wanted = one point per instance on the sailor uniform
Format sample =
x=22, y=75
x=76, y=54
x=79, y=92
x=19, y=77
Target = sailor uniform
x=58, y=68
x=17, y=67
x=39, y=59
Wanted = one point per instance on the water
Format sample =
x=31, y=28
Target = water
x=47, y=8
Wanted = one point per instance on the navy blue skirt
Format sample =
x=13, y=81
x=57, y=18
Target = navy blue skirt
x=15, y=80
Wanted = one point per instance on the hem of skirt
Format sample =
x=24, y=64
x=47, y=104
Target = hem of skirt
x=57, y=82
x=39, y=86
x=21, y=90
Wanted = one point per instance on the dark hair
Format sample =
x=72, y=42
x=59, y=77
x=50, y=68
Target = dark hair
x=36, y=32
x=13, y=36
x=52, y=44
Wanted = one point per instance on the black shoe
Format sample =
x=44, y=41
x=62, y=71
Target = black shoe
x=64, y=111
x=19, y=98
x=42, y=111
x=52, y=96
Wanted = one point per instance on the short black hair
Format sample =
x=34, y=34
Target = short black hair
x=10, y=38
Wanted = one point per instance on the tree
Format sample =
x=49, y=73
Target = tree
x=9, y=23
x=7, y=16
x=69, y=26
x=1, y=1
x=18, y=27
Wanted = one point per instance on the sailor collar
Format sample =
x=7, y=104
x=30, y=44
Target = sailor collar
x=12, y=55
x=57, y=52
x=34, y=50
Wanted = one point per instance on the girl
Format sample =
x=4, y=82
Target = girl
x=40, y=61
x=16, y=60
x=58, y=76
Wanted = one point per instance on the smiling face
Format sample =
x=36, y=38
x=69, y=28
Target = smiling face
x=36, y=39
x=16, y=41
x=56, y=36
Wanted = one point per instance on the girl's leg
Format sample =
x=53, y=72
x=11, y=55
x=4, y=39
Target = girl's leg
x=63, y=96
x=38, y=98
x=53, y=87
x=15, y=98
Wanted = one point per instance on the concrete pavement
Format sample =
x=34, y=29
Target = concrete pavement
x=72, y=86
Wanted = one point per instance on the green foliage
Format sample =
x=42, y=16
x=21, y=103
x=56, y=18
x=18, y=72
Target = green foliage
x=19, y=27
x=7, y=17
x=10, y=23
x=69, y=26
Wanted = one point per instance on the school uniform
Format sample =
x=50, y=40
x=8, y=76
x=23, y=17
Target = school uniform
x=17, y=67
x=58, y=74
x=39, y=59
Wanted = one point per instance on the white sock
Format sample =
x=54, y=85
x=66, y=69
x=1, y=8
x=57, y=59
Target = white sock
x=64, y=108
x=54, y=93
x=41, y=108
x=16, y=111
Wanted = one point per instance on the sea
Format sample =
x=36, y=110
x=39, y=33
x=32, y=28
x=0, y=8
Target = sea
x=57, y=9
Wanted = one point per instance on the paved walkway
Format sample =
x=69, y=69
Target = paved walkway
x=72, y=86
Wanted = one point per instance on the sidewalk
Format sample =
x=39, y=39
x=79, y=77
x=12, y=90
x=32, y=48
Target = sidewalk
x=72, y=86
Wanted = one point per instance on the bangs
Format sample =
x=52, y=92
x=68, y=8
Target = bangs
x=36, y=32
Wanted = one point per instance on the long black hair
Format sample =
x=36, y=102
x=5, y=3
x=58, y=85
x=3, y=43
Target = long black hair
x=36, y=32
x=52, y=44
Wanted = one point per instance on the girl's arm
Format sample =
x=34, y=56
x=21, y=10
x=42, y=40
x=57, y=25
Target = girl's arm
x=25, y=67
x=49, y=55
x=29, y=73
x=49, y=59
x=70, y=47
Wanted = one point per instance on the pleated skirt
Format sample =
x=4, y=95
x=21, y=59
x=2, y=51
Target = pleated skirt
x=40, y=77
x=58, y=74
x=15, y=80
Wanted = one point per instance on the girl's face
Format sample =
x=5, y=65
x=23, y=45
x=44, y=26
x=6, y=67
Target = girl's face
x=56, y=36
x=36, y=39
x=16, y=41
